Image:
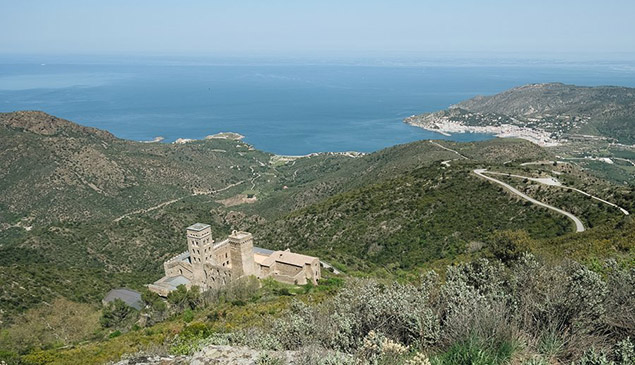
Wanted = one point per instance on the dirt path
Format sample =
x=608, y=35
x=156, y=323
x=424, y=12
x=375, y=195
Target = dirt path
x=448, y=149
x=161, y=205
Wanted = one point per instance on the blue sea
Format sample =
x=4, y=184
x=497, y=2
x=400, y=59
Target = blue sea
x=288, y=107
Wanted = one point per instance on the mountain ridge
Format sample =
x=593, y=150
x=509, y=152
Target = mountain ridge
x=42, y=123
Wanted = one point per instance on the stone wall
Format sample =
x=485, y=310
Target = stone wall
x=177, y=268
x=221, y=255
x=217, y=276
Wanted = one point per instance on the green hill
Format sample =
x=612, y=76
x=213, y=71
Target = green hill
x=55, y=170
x=387, y=214
x=562, y=110
x=401, y=207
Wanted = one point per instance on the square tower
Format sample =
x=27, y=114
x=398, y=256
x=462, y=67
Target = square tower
x=200, y=243
x=241, y=252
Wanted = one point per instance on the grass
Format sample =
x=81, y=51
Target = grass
x=475, y=351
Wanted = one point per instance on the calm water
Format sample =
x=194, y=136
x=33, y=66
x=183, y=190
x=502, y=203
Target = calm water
x=285, y=109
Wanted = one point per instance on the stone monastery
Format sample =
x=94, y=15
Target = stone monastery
x=211, y=265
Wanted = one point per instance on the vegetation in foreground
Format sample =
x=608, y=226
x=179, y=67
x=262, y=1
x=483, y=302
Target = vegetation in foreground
x=486, y=311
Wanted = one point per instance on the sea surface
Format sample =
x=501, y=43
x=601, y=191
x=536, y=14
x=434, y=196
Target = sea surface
x=285, y=108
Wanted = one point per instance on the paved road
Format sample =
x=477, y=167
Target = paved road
x=554, y=182
x=543, y=180
x=579, y=227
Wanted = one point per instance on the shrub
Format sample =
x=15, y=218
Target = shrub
x=188, y=316
x=509, y=246
x=481, y=313
x=419, y=359
x=317, y=355
x=625, y=352
x=118, y=315
x=593, y=357
x=298, y=328
x=267, y=358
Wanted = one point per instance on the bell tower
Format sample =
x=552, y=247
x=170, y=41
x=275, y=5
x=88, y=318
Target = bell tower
x=241, y=251
x=199, y=244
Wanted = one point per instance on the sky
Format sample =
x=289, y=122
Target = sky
x=324, y=27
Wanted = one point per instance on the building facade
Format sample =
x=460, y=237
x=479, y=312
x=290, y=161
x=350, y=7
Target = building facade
x=211, y=265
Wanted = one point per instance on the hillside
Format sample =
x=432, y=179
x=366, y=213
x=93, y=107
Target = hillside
x=309, y=180
x=55, y=170
x=403, y=206
x=560, y=111
x=416, y=217
x=387, y=214
x=61, y=238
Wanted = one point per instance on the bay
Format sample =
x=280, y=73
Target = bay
x=290, y=109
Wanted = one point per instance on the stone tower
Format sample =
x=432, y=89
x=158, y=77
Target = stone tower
x=241, y=251
x=200, y=244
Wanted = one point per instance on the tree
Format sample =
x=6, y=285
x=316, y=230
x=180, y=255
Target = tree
x=118, y=315
x=155, y=308
x=182, y=299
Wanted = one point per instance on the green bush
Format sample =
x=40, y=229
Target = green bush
x=118, y=315
x=188, y=316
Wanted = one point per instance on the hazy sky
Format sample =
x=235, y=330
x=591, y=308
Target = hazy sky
x=328, y=27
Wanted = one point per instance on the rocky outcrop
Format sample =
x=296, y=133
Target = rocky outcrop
x=215, y=354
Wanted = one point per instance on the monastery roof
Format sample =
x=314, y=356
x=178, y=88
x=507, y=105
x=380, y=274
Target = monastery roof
x=219, y=244
x=175, y=281
x=262, y=251
x=198, y=227
x=170, y=283
x=183, y=256
x=128, y=296
x=289, y=258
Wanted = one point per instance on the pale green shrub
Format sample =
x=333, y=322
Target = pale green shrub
x=266, y=358
x=593, y=357
x=419, y=359
x=625, y=352
x=484, y=310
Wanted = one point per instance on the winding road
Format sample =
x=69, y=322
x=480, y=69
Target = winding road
x=579, y=227
x=554, y=182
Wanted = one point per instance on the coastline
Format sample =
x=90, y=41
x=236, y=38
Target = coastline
x=233, y=136
x=154, y=140
x=275, y=157
x=447, y=127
